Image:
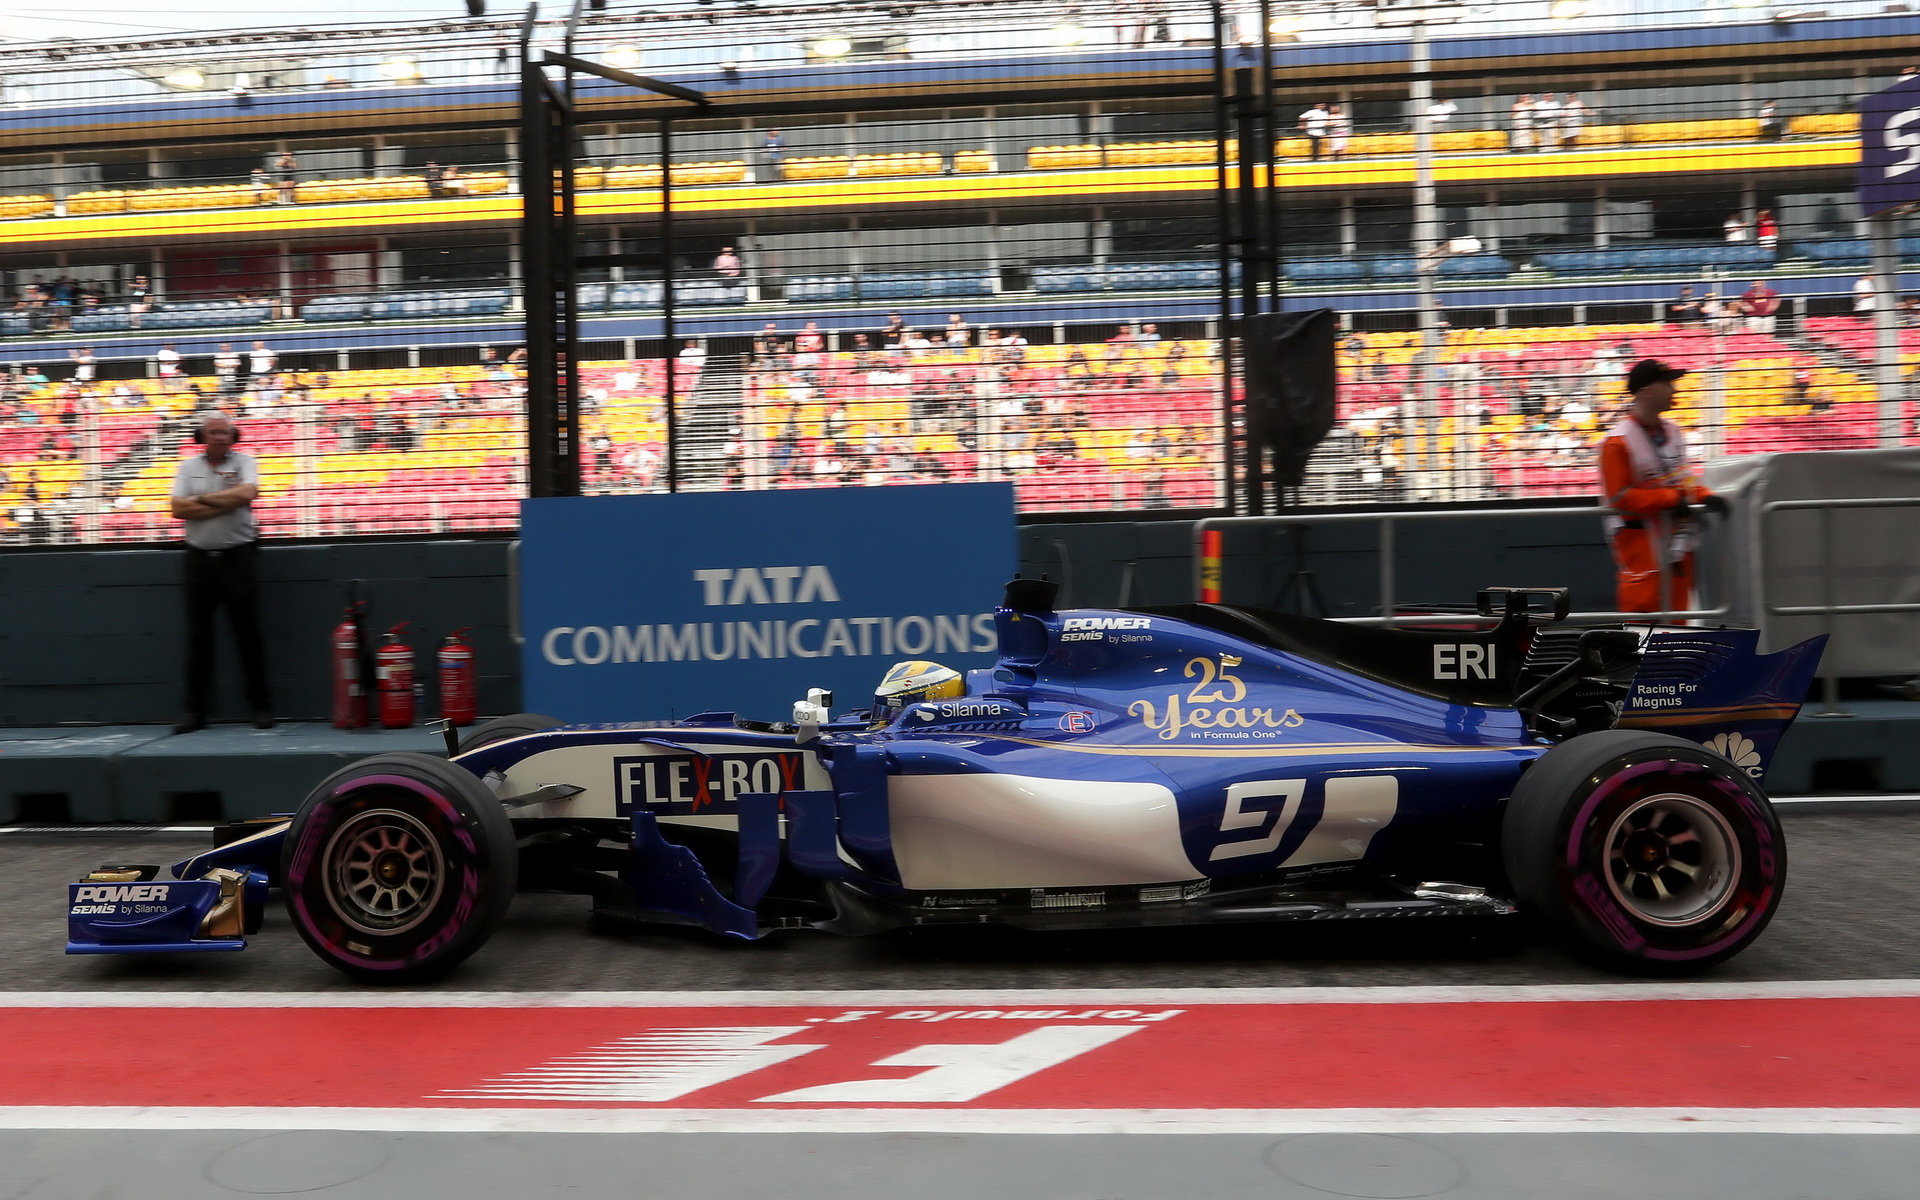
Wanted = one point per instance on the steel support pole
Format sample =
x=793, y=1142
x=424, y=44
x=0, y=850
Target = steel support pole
x=1427, y=260
x=1887, y=383
x=668, y=327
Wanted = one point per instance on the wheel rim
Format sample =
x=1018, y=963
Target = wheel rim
x=385, y=871
x=1672, y=859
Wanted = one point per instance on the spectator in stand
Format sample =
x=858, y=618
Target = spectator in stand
x=1574, y=118
x=213, y=495
x=1440, y=114
x=139, y=299
x=1865, y=297
x=1772, y=126
x=1735, y=228
x=693, y=355
x=436, y=177
x=1546, y=121
x=1685, y=309
x=84, y=365
x=226, y=365
x=1149, y=334
x=1766, y=229
x=1315, y=123
x=1520, y=124
x=808, y=345
x=1013, y=348
x=261, y=361
x=1760, y=305
x=262, y=184
x=773, y=151
x=1721, y=316
x=1909, y=311
x=65, y=298
x=1646, y=478
x=959, y=334
x=726, y=265
x=1339, y=131
x=894, y=332
x=601, y=447
x=453, y=181
x=286, y=175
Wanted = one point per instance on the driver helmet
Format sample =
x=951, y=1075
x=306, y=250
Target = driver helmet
x=911, y=682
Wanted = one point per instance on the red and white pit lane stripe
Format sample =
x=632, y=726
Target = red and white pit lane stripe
x=1782, y=1057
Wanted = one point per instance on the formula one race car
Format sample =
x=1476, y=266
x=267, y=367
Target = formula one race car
x=1192, y=764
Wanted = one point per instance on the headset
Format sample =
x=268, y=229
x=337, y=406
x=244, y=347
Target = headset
x=200, y=431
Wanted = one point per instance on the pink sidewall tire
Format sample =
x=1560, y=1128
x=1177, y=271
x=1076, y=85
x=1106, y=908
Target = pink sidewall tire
x=1647, y=853
x=398, y=868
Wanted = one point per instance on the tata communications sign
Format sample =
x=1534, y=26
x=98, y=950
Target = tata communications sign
x=1890, y=148
x=644, y=607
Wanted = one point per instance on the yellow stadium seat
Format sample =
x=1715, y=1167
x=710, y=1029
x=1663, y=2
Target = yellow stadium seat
x=25, y=206
x=1825, y=123
x=1048, y=158
x=837, y=166
x=1381, y=143
x=972, y=162
x=86, y=203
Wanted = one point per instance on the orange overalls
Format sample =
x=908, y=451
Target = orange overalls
x=1645, y=482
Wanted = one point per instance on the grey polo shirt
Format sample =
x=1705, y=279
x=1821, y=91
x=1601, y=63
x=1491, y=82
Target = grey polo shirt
x=196, y=477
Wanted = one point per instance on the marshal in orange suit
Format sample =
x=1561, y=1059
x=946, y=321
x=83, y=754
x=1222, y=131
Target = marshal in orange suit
x=1646, y=478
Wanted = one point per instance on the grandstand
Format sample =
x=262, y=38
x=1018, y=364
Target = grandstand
x=1043, y=210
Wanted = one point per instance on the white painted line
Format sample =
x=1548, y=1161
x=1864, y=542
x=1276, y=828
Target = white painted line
x=1899, y=1121
x=1844, y=989
x=104, y=830
x=1890, y=797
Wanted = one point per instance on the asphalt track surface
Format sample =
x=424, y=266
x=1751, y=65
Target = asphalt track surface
x=1851, y=911
x=1851, y=916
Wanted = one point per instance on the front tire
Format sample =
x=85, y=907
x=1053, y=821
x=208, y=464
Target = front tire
x=501, y=728
x=1647, y=852
x=398, y=868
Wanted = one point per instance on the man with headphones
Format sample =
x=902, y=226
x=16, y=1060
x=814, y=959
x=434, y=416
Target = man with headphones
x=213, y=496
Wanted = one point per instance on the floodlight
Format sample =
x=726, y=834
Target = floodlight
x=1286, y=24
x=624, y=57
x=1567, y=10
x=187, y=79
x=400, y=69
x=833, y=45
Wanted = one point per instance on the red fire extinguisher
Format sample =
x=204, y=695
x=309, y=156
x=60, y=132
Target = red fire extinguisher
x=349, y=666
x=393, y=668
x=459, y=697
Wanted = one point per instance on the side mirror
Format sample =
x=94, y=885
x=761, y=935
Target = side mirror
x=810, y=714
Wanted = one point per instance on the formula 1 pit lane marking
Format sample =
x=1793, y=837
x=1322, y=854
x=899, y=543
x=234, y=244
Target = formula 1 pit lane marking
x=1492, y=1057
x=1272, y=1122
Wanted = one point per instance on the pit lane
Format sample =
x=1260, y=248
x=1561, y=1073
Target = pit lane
x=1850, y=912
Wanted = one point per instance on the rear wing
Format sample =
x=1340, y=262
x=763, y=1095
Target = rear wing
x=1712, y=686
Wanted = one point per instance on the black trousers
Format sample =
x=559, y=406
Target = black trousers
x=217, y=579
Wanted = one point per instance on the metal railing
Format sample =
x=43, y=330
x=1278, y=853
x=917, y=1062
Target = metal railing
x=1827, y=609
x=1389, y=523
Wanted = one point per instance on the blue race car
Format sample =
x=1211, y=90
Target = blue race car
x=1199, y=763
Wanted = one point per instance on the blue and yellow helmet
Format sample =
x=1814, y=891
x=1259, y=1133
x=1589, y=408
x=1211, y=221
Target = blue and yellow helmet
x=908, y=683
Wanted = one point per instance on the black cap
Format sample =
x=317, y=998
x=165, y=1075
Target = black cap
x=1651, y=370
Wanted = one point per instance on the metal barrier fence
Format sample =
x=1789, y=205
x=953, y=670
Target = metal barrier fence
x=1208, y=560
x=1827, y=609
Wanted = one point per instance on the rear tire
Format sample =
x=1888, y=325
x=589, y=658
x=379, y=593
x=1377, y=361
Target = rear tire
x=501, y=728
x=398, y=868
x=1648, y=853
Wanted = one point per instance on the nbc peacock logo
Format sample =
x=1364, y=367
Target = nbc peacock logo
x=1738, y=749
